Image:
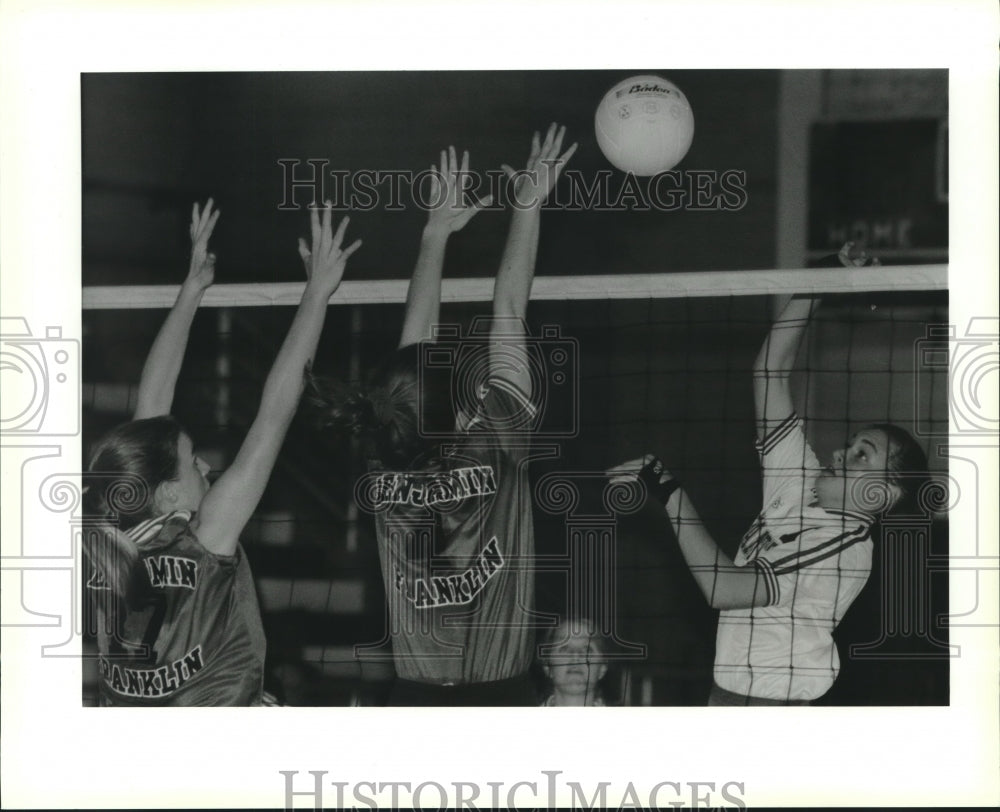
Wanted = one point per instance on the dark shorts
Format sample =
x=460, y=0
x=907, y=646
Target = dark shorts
x=516, y=691
x=720, y=697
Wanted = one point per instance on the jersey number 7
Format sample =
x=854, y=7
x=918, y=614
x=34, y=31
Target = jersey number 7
x=138, y=628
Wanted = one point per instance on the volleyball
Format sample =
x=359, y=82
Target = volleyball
x=644, y=125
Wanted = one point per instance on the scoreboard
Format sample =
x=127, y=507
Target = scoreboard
x=883, y=184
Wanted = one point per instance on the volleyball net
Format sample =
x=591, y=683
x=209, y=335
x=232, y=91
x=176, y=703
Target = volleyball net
x=657, y=363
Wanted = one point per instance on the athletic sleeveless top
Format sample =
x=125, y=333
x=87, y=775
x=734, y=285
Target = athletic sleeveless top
x=189, y=631
x=456, y=547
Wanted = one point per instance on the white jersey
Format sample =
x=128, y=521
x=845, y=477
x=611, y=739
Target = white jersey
x=813, y=563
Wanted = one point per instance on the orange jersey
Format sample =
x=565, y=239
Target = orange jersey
x=189, y=631
x=456, y=547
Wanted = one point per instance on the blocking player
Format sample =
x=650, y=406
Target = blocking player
x=453, y=520
x=180, y=624
x=808, y=554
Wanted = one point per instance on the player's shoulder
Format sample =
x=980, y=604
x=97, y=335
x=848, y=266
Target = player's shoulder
x=177, y=534
x=502, y=404
x=161, y=530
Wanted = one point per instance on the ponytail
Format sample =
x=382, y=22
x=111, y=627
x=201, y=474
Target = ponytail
x=109, y=500
x=384, y=415
x=340, y=408
x=111, y=555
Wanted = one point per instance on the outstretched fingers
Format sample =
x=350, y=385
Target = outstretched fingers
x=314, y=228
x=553, y=138
x=325, y=259
x=201, y=269
x=557, y=164
x=533, y=184
x=564, y=158
x=553, y=162
x=325, y=228
x=473, y=210
x=338, y=238
x=454, y=190
x=354, y=246
x=305, y=254
x=203, y=222
x=536, y=150
x=196, y=217
x=211, y=223
x=553, y=146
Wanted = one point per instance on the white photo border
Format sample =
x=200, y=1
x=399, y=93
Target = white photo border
x=58, y=754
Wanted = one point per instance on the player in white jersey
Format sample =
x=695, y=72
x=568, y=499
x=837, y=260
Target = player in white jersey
x=179, y=621
x=808, y=553
x=453, y=518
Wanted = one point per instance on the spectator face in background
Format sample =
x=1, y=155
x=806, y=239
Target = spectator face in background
x=575, y=663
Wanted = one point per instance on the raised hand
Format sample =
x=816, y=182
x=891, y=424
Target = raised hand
x=234, y=497
x=658, y=481
x=326, y=260
x=851, y=258
x=201, y=271
x=533, y=183
x=163, y=364
x=450, y=208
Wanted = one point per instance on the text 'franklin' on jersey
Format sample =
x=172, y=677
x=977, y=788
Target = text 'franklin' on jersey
x=453, y=589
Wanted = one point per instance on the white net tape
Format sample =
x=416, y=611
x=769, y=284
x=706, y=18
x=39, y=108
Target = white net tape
x=558, y=288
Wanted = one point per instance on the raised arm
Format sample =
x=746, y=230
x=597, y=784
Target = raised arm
x=773, y=368
x=776, y=359
x=159, y=374
x=231, y=501
x=724, y=585
x=450, y=212
x=517, y=265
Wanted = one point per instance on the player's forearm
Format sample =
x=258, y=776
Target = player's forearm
x=512, y=288
x=423, y=297
x=284, y=384
x=163, y=364
x=780, y=348
x=233, y=498
x=699, y=549
x=724, y=585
